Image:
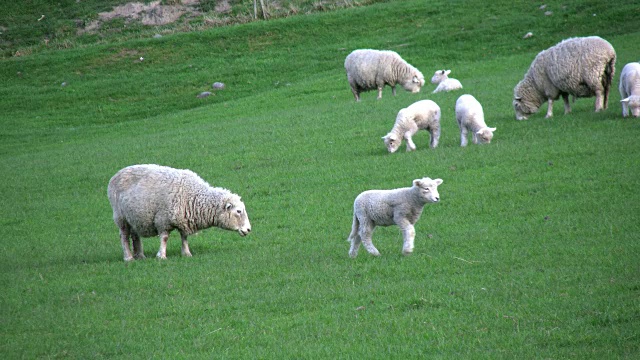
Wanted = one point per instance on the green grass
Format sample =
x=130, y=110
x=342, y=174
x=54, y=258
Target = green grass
x=532, y=252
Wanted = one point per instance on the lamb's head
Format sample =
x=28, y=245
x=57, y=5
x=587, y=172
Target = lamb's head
x=633, y=102
x=521, y=104
x=235, y=216
x=392, y=142
x=427, y=189
x=440, y=76
x=485, y=135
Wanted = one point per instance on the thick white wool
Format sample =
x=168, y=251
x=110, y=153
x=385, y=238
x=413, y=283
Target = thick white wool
x=630, y=89
x=421, y=115
x=470, y=117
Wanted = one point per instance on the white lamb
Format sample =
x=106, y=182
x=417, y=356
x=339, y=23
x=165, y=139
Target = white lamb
x=582, y=67
x=373, y=69
x=401, y=207
x=441, y=77
x=150, y=200
x=470, y=117
x=630, y=89
x=421, y=115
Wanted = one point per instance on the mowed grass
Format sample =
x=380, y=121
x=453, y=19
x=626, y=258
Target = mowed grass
x=532, y=252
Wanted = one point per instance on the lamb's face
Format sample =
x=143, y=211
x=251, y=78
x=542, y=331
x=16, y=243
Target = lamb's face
x=392, y=142
x=439, y=76
x=633, y=102
x=236, y=218
x=428, y=189
x=485, y=135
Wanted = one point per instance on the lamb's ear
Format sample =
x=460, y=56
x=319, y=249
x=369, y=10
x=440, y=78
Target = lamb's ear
x=447, y=72
x=624, y=100
x=442, y=72
x=492, y=129
x=417, y=182
x=438, y=181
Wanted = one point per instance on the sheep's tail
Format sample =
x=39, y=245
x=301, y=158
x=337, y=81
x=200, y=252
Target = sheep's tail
x=607, y=79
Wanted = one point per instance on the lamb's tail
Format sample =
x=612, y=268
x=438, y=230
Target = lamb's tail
x=607, y=79
x=354, y=228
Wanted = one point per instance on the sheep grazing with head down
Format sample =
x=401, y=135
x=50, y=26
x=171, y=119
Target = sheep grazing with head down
x=470, y=117
x=421, y=115
x=630, y=89
x=441, y=77
x=401, y=207
x=150, y=200
x=582, y=67
x=373, y=69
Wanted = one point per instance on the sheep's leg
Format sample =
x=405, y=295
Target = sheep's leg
x=366, y=231
x=138, y=251
x=162, y=253
x=567, y=105
x=379, y=92
x=393, y=90
x=435, y=137
x=185, y=245
x=356, y=94
x=124, y=240
x=599, y=100
x=354, y=238
x=549, y=109
x=408, y=235
x=463, y=136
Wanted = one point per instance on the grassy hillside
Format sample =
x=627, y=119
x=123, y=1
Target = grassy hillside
x=532, y=251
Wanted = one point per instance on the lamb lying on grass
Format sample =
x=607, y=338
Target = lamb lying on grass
x=150, y=200
x=421, y=115
x=373, y=69
x=470, y=117
x=582, y=67
x=630, y=89
x=441, y=77
x=401, y=207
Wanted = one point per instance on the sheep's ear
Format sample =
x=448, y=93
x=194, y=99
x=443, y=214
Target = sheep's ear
x=438, y=181
x=624, y=100
x=447, y=72
x=518, y=98
x=415, y=79
x=228, y=206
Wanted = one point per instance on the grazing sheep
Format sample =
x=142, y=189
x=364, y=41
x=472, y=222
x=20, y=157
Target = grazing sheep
x=582, y=67
x=401, y=207
x=423, y=114
x=441, y=77
x=630, y=89
x=150, y=200
x=471, y=118
x=373, y=69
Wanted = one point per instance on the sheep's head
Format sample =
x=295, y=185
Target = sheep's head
x=428, y=189
x=392, y=142
x=633, y=102
x=235, y=216
x=522, y=107
x=415, y=83
x=485, y=135
x=440, y=76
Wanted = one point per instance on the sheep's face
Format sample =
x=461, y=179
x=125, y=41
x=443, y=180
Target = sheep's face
x=633, y=102
x=485, y=135
x=392, y=142
x=415, y=84
x=236, y=218
x=522, y=107
x=428, y=189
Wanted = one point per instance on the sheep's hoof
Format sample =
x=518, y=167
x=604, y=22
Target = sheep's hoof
x=127, y=259
x=187, y=254
x=160, y=256
x=139, y=256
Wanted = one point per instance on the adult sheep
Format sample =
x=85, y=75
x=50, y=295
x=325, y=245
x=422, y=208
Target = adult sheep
x=150, y=200
x=423, y=114
x=582, y=67
x=630, y=89
x=401, y=207
x=373, y=69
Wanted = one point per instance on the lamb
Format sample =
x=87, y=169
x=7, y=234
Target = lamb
x=630, y=89
x=373, y=69
x=441, y=77
x=423, y=114
x=401, y=207
x=582, y=67
x=150, y=200
x=470, y=117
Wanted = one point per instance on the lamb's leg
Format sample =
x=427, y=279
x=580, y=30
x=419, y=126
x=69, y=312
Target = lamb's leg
x=549, y=109
x=124, y=240
x=408, y=235
x=185, y=245
x=435, y=137
x=474, y=137
x=411, y=146
x=567, y=105
x=138, y=251
x=625, y=108
x=463, y=136
x=354, y=238
x=599, y=100
x=366, y=231
x=162, y=253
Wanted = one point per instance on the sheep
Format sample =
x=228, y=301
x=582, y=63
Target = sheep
x=423, y=114
x=441, y=77
x=582, y=67
x=630, y=89
x=470, y=117
x=373, y=69
x=401, y=207
x=150, y=200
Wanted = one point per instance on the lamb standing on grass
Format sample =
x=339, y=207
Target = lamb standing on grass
x=423, y=114
x=471, y=118
x=401, y=207
x=150, y=200
x=582, y=67
x=441, y=77
x=373, y=69
x=630, y=89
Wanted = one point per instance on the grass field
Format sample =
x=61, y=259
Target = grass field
x=531, y=253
